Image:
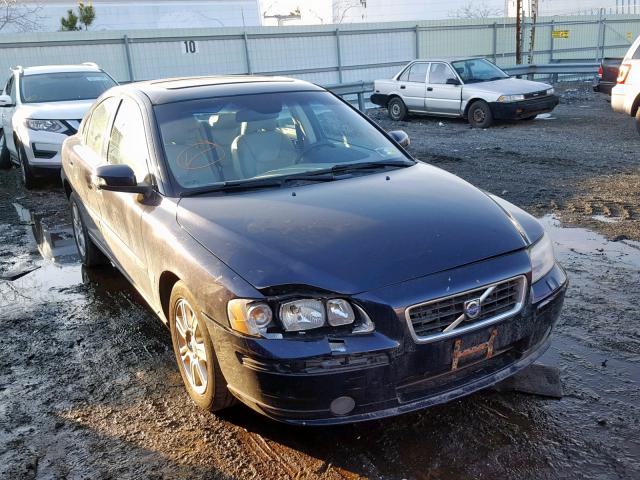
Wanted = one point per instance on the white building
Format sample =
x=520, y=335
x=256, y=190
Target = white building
x=547, y=8
x=142, y=14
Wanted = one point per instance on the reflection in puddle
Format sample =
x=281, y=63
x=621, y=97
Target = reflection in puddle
x=571, y=241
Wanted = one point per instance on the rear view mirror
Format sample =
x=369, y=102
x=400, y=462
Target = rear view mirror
x=453, y=81
x=6, y=101
x=401, y=137
x=119, y=178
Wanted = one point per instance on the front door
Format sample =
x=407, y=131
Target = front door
x=122, y=212
x=443, y=97
x=412, y=85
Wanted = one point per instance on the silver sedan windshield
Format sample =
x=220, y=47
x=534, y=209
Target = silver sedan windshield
x=478, y=70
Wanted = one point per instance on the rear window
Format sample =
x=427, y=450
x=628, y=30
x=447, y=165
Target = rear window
x=64, y=87
x=636, y=54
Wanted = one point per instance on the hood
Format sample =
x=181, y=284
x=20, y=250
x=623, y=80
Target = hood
x=352, y=235
x=508, y=86
x=74, y=110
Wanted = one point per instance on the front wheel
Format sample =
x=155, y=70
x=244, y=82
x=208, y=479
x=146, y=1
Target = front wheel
x=194, y=352
x=480, y=115
x=28, y=177
x=397, y=109
x=5, y=160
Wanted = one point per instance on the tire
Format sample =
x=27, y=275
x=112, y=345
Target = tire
x=198, y=360
x=90, y=254
x=480, y=115
x=638, y=120
x=5, y=158
x=397, y=109
x=28, y=178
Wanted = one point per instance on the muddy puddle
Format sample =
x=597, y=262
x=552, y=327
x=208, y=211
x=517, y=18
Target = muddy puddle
x=99, y=395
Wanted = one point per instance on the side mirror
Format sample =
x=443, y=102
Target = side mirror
x=6, y=101
x=401, y=137
x=453, y=81
x=119, y=178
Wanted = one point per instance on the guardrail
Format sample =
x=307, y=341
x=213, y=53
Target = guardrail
x=554, y=69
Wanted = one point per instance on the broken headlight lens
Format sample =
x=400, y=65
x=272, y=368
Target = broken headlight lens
x=542, y=258
x=339, y=312
x=249, y=317
x=305, y=314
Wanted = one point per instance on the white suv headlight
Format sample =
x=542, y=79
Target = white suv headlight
x=510, y=98
x=542, y=258
x=44, y=125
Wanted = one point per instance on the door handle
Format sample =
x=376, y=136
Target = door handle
x=429, y=89
x=403, y=87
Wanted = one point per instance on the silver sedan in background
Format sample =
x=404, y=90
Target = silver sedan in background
x=472, y=88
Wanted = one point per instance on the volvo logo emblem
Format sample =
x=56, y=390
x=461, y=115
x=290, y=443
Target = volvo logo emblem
x=472, y=308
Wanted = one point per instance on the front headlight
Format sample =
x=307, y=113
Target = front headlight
x=249, y=316
x=550, y=91
x=510, y=98
x=542, y=258
x=303, y=314
x=44, y=125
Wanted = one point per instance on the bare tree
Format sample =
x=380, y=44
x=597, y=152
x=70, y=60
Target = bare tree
x=19, y=15
x=472, y=9
x=342, y=7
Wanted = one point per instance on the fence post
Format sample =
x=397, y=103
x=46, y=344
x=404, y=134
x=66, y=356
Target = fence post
x=495, y=42
x=246, y=52
x=339, y=55
x=417, y=42
x=361, y=101
x=127, y=51
x=604, y=34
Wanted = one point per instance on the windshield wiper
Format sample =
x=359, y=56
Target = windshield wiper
x=349, y=167
x=245, y=185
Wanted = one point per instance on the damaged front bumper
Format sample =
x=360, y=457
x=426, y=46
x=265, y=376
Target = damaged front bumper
x=387, y=373
x=524, y=108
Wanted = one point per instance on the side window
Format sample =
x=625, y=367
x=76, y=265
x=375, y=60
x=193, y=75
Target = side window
x=405, y=75
x=127, y=142
x=418, y=72
x=9, y=90
x=96, y=128
x=440, y=73
x=636, y=54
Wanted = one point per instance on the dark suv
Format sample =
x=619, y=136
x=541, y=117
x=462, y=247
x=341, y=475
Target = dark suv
x=304, y=263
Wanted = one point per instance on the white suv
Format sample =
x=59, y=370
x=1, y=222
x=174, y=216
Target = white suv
x=625, y=96
x=39, y=108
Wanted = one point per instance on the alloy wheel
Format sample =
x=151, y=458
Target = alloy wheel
x=193, y=354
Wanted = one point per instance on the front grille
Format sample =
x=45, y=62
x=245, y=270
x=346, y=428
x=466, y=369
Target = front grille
x=538, y=94
x=429, y=320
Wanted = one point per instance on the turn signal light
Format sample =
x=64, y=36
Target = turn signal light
x=623, y=73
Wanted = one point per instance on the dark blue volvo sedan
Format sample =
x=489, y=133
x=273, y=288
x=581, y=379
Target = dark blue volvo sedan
x=303, y=261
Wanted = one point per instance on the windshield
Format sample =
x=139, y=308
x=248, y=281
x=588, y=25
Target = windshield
x=478, y=70
x=64, y=87
x=266, y=136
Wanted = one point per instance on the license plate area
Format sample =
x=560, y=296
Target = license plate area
x=483, y=351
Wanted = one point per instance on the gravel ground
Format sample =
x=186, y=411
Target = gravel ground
x=89, y=387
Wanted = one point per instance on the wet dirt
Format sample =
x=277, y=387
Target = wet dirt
x=89, y=387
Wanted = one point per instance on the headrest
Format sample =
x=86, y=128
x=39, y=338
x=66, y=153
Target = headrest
x=268, y=124
x=224, y=121
x=247, y=115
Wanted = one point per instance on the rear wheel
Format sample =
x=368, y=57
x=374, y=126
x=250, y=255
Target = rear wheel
x=638, y=120
x=28, y=178
x=397, y=109
x=194, y=352
x=480, y=115
x=5, y=159
x=90, y=255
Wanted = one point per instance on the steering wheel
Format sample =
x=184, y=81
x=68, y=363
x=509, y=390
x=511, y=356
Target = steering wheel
x=323, y=143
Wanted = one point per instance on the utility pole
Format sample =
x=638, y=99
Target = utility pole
x=519, y=20
x=534, y=16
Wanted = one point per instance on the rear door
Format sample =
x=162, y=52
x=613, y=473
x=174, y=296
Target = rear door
x=412, y=85
x=441, y=97
x=122, y=212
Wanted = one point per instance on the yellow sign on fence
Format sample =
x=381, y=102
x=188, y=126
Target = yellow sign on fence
x=629, y=37
x=560, y=34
